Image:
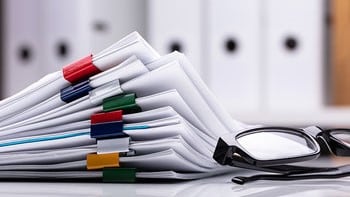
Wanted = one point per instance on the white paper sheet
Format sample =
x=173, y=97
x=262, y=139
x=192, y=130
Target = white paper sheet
x=74, y=165
x=49, y=156
x=173, y=99
x=165, y=160
x=136, y=118
x=71, y=118
x=171, y=131
x=179, y=145
x=173, y=77
x=80, y=140
x=223, y=116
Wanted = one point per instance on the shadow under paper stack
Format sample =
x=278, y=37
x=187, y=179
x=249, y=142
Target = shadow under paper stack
x=123, y=114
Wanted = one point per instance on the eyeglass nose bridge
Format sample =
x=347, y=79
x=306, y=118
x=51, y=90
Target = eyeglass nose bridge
x=334, y=144
x=314, y=131
x=318, y=134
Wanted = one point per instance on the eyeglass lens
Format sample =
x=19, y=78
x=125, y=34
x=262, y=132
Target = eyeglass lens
x=342, y=136
x=276, y=144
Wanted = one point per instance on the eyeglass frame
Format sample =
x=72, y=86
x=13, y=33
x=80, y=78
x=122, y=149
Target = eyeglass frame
x=234, y=154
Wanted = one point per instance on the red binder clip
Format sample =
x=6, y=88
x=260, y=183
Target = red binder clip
x=106, y=117
x=80, y=70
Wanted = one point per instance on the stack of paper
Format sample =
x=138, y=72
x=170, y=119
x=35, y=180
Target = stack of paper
x=123, y=114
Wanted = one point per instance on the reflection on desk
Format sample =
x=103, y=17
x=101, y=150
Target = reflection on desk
x=214, y=186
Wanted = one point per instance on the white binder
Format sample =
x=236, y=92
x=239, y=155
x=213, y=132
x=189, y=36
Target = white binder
x=110, y=20
x=22, y=56
x=87, y=26
x=64, y=35
x=294, y=55
x=234, y=37
x=176, y=25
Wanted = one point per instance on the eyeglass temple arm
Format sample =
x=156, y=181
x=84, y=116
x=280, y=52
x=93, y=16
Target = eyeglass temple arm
x=283, y=169
x=337, y=172
x=290, y=169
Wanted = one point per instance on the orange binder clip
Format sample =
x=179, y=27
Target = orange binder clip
x=99, y=161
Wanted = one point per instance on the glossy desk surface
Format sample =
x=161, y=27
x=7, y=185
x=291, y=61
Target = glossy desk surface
x=215, y=186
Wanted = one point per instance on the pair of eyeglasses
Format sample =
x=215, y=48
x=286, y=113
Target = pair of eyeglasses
x=271, y=149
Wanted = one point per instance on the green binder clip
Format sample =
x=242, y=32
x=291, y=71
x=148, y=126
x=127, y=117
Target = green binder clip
x=119, y=175
x=125, y=102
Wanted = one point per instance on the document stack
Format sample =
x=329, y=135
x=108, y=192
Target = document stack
x=122, y=115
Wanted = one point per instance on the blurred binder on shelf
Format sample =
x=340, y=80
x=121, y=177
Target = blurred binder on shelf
x=294, y=54
x=234, y=37
x=73, y=34
x=21, y=59
x=64, y=36
x=106, y=20
x=176, y=26
x=41, y=36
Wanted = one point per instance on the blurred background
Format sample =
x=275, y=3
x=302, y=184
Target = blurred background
x=277, y=62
